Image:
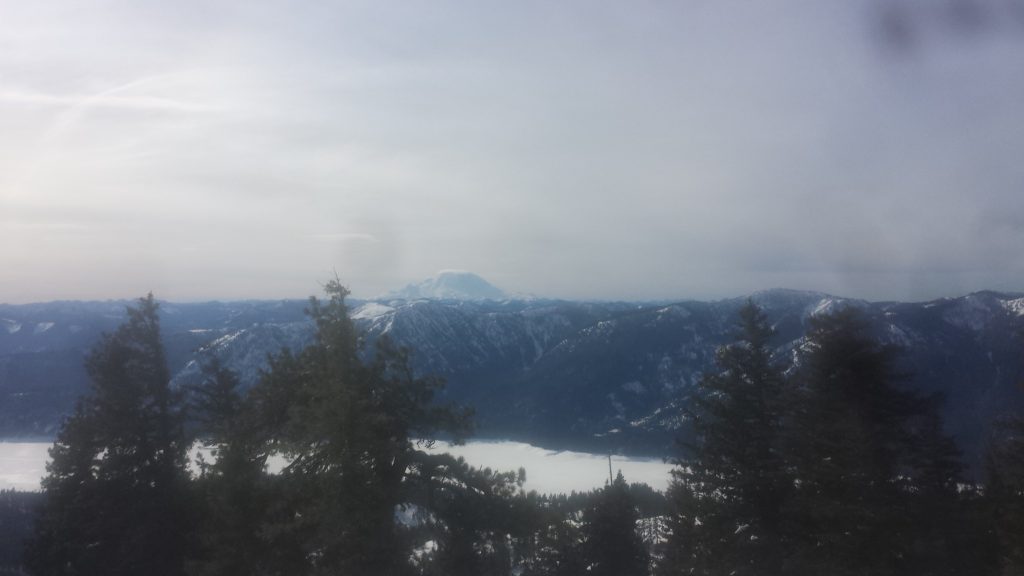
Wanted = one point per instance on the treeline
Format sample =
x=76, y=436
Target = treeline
x=360, y=494
x=17, y=510
x=831, y=465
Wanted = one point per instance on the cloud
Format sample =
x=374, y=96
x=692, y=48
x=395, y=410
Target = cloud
x=103, y=100
x=590, y=150
x=346, y=237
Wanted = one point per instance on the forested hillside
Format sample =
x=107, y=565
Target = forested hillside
x=832, y=462
x=592, y=376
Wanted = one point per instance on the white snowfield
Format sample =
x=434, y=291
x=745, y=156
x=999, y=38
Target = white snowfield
x=553, y=472
x=23, y=464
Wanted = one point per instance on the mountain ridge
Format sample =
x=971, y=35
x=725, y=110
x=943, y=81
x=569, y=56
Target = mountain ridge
x=568, y=374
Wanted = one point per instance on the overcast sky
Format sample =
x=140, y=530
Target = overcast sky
x=600, y=150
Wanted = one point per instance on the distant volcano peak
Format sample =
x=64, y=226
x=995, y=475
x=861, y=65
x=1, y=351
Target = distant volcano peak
x=450, y=285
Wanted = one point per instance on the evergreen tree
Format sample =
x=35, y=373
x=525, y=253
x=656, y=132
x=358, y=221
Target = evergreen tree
x=233, y=489
x=558, y=543
x=949, y=534
x=1005, y=493
x=472, y=516
x=613, y=547
x=17, y=512
x=728, y=495
x=871, y=463
x=349, y=430
x=116, y=490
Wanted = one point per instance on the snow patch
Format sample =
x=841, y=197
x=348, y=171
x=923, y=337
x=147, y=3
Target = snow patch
x=11, y=326
x=428, y=548
x=900, y=336
x=635, y=387
x=619, y=408
x=824, y=306
x=677, y=311
x=371, y=310
x=42, y=327
x=1015, y=307
x=224, y=340
x=973, y=312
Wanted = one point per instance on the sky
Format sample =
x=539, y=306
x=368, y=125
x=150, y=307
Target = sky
x=575, y=149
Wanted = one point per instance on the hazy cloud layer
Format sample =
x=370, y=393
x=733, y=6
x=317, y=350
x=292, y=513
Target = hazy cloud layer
x=572, y=149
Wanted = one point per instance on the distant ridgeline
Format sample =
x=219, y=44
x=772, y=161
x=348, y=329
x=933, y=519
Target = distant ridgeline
x=582, y=375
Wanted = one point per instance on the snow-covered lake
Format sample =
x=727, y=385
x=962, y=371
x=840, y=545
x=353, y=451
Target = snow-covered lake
x=23, y=464
x=551, y=472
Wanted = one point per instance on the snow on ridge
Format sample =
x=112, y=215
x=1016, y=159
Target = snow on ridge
x=223, y=340
x=42, y=327
x=1015, y=307
x=900, y=336
x=823, y=306
x=12, y=326
x=973, y=311
x=674, y=310
x=371, y=310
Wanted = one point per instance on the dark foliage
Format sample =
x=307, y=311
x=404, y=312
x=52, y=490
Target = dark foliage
x=613, y=547
x=838, y=468
x=730, y=490
x=233, y=492
x=474, y=518
x=348, y=429
x=17, y=513
x=877, y=476
x=117, y=487
x=1005, y=494
x=612, y=529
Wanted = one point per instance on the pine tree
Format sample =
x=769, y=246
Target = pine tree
x=471, y=515
x=949, y=534
x=349, y=430
x=233, y=489
x=613, y=547
x=116, y=490
x=852, y=450
x=728, y=495
x=1005, y=493
x=558, y=543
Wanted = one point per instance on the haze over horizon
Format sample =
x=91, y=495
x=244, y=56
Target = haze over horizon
x=578, y=150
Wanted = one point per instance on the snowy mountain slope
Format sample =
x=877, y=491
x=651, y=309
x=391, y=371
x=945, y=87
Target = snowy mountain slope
x=563, y=374
x=450, y=285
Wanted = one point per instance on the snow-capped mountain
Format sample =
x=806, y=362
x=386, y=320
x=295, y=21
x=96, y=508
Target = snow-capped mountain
x=450, y=285
x=578, y=375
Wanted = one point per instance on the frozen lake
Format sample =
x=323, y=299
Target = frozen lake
x=23, y=464
x=551, y=472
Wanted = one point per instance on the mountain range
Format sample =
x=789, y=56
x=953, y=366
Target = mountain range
x=597, y=376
